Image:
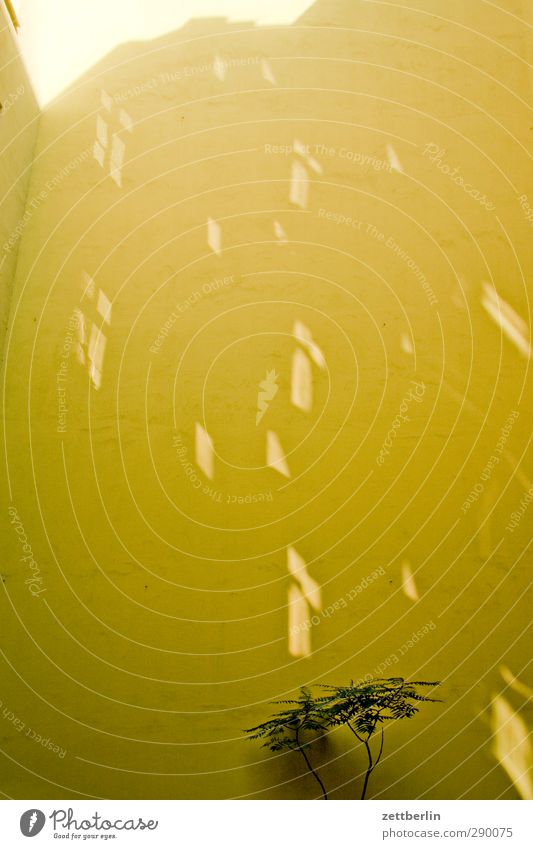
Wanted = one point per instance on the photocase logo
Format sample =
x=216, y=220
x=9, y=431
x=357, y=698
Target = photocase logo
x=32, y=822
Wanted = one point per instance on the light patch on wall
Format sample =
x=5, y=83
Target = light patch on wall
x=96, y=351
x=101, y=143
x=515, y=683
x=204, y=453
x=89, y=287
x=512, y=326
x=104, y=306
x=219, y=67
x=267, y=72
x=304, y=594
x=117, y=159
x=513, y=463
x=408, y=582
x=280, y=233
x=106, y=100
x=511, y=746
x=298, y=569
x=91, y=343
x=485, y=513
x=82, y=337
x=214, y=237
x=301, y=150
x=299, y=189
x=301, y=381
x=304, y=336
x=406, y=344
x=394, y=162
x=299, y=632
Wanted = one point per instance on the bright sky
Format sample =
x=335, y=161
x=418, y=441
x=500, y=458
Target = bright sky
x=61, y=39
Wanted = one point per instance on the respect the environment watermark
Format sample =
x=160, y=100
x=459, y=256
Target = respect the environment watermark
x=38, y=199
x=219, y=66
x=389, y=242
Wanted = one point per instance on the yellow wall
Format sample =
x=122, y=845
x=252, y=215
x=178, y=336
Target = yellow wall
x=18, y=122
x=159, y=627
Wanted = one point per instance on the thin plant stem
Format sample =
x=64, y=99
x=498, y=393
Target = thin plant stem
x=380, y=749
x=310, y=768
x=371, y=763
x=369, y=770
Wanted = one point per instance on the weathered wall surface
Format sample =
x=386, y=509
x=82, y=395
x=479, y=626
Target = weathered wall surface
x=363, y=171
x=18, y=122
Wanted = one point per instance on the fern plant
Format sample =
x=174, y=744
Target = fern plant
x=286, y=729
x=363, y=708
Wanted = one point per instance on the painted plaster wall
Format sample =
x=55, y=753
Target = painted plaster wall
x=18, y=122
x=159, y=627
